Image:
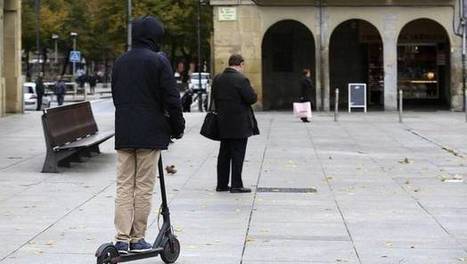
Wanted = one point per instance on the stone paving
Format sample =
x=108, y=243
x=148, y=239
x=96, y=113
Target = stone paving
x=385, y=193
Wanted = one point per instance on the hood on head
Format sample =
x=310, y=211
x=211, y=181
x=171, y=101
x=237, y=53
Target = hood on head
x=147, y=31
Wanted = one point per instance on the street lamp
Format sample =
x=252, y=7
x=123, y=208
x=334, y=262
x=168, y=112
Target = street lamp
x=129, y=26
x=55, y=39
x=200, y=91
x=37, y=7
x=74, y=35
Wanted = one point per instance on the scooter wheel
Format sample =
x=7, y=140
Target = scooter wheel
x=107, y=255
x=171, y=250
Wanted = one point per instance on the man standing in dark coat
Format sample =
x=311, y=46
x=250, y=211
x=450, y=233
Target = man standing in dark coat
x=233, y=97
x=147, y=113
x=60, y=90
x=40, y=89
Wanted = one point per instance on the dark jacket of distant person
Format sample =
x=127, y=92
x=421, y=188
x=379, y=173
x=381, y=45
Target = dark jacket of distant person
x=147, y=104
x=40, y=87
x=306, y=88
x=60, y=87
x=233, y=97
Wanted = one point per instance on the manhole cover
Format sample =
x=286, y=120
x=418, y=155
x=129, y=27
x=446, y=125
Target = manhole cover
x=286, y=190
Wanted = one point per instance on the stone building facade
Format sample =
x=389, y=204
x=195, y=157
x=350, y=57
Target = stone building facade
x=413, y=45
x=11, y=98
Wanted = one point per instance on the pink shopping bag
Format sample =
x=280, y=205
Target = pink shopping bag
x=302, y=110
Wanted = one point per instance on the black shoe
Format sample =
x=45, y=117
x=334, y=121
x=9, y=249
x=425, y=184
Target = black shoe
x=122, y=247
x=222, y=189
x=240, y=190
x=140, y=246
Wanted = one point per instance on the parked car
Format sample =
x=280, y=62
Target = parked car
x=30, y=97
x=193, y=83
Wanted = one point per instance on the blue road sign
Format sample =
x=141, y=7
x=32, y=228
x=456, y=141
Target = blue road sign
x=75, y=56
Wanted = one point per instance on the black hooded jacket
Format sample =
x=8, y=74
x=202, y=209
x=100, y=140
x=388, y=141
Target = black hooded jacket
x=147, y=103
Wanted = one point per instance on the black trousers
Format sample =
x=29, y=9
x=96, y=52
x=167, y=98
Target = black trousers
x=231, y=155
x=60, y=98
x=39, y=102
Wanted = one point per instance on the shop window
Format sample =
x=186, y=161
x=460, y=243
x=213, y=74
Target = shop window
x=418, y=70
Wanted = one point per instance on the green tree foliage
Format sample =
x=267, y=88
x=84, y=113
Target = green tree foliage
x=101, y=26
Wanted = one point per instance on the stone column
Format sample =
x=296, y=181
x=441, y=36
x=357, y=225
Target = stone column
x=324, y=59
x=326, y=76
x=390, y=62
x=317, y=39
x=457, y=95
x=12, y=56
x=2, y=80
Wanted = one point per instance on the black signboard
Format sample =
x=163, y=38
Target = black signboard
x=357, y=96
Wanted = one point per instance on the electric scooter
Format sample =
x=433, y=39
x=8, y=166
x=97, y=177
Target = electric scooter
x=166, y=244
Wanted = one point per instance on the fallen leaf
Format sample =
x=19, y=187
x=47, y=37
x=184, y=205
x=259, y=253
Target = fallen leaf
x=171, y=169
x=454, y=179
x=249, y=239
x=405, y=161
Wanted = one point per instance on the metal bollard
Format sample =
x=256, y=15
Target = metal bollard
x=336, y=105
x=401, y=94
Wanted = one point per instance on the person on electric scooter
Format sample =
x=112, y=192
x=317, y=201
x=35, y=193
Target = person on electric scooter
x=148, y=113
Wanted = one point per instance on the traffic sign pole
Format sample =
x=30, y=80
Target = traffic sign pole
x=74, y=63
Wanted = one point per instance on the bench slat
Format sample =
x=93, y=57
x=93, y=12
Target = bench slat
x=97, y=138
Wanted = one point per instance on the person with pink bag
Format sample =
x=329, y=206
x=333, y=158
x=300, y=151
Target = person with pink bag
x=302, y=109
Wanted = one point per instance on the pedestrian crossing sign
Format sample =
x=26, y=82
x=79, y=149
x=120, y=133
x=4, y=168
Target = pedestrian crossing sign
x=75, y=56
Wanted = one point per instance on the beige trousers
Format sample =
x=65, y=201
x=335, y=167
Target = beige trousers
x=136, y=175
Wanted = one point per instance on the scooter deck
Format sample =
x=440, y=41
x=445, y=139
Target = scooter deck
x=140, y=255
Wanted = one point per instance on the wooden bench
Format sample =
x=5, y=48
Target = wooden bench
x=70, y=132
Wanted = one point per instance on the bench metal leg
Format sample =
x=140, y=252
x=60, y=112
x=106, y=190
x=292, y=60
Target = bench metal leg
x=86, y=153
x=50, y=164
x=76, y=157
x=95, y=149
x=64, y=163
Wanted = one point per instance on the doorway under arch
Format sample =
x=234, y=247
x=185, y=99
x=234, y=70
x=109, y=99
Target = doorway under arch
x=356, y=56
x=288, y=48
x=423, y=64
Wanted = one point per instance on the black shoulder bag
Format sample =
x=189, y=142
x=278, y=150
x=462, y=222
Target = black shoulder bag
x=210, y=128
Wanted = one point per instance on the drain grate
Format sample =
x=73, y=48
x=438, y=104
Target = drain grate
x=286, y=190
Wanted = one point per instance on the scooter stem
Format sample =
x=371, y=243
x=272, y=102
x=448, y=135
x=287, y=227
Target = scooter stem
x=164, y=208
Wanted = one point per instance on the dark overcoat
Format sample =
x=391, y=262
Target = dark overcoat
x=306, y=88
x=233, y=97
x=147, y=103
